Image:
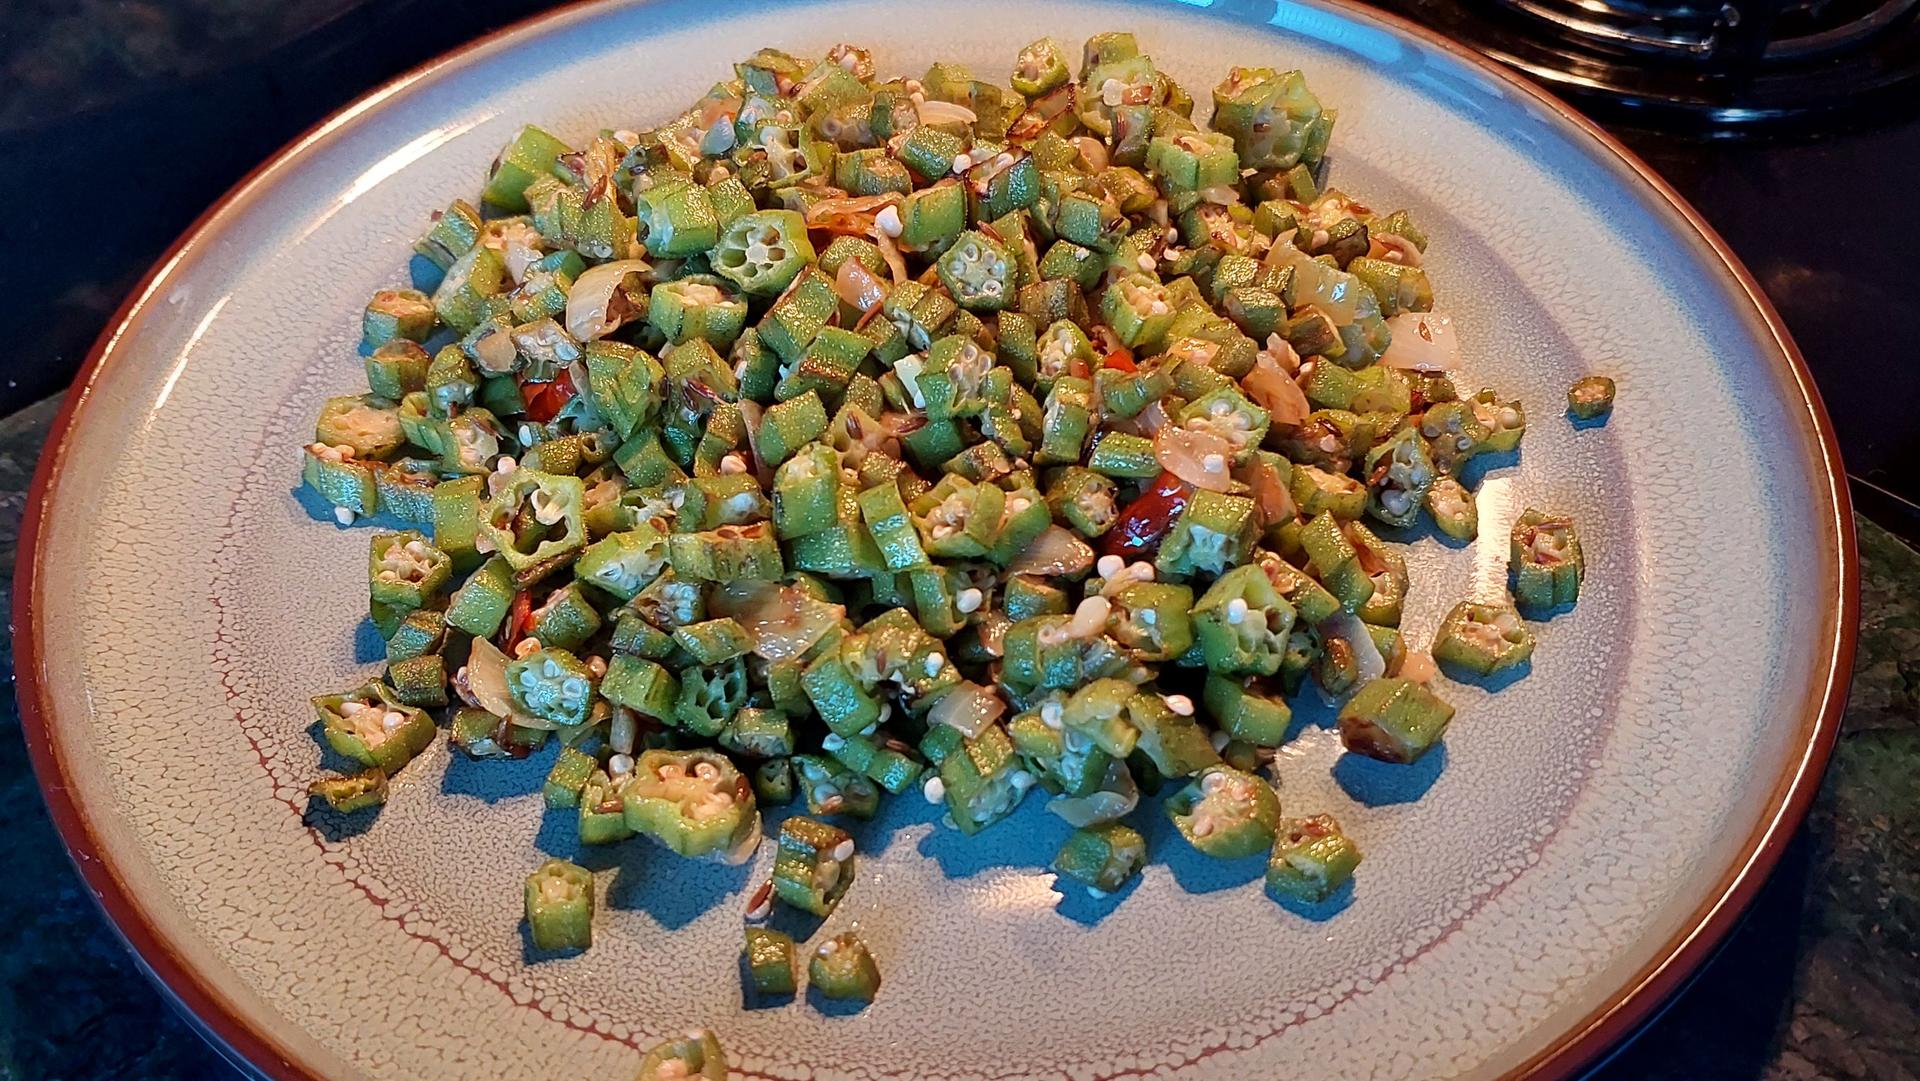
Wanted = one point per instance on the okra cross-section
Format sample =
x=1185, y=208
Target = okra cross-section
x=1545, y=560
x=1482, y=639
x=694, y=802
x=695, y=1055
x=371, y=726
x=1102, y=857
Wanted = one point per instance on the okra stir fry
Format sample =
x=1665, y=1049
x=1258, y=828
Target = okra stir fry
x=846, y=437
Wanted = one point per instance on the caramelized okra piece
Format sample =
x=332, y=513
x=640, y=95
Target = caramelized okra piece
x=1482, y=639
x=769, y=956
x=1545, y=560
x=1393, y=720
x=1590, y=398
x=1311, y=859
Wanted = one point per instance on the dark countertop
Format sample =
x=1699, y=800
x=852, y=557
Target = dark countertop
x=125, y=118
x=1822, y=980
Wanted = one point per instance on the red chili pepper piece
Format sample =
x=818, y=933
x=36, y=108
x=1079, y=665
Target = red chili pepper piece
x=1147, y=519
x=546, y=402
x=1120, y=359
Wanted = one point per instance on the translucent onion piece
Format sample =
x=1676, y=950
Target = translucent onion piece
x=1186, y=453
x=487, y=678
x=1273, y=390
x=968, y=708
x=1422, y=342
x=1118, y=795
x=1348, y=627
x=590, y=312
x=1055, y=551
x=945, y=112
x=782, y=621
x=856, y=285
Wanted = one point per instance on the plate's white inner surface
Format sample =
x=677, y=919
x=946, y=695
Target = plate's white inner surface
x=190, y=605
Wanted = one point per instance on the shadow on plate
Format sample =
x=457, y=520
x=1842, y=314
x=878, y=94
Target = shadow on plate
x=1319, y=911
x=1382, y=784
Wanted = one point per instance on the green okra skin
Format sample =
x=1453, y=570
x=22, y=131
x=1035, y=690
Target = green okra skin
x=696, y=1055
x=1590, y=398
x=1393, y=720
x=405, y=570
x=419, y=632
x=341, y=480
x=843, y=968
x=353, y=792
x=397, y=367
x=1311, y=859
x=1545, y=561
x=1214, y=532
x=572, y=768
x=1153, y=619
x=709, y=696
x=769, y=962
x=693, y=802
x=1124, y=456
x=679, y=218
x=419, y=681
x=689, y=310
x=566, y=619
x=552, y=686
x=1103, y=857
x=532, y=154
x=559, y=900
x=1482, y=639
x=1246, y=714
x=773, y=782
x=978, y=272
x=814, y=866
x=1225, y=813
x=829, y=788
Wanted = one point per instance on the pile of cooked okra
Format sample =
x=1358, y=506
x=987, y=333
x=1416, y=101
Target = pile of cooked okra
x=845, y=437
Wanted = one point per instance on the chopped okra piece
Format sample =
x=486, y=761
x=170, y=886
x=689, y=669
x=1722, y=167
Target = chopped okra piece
x=371, y=726
x=763, y=252
x=560, y=906
x=1590, y=398
x=1503, y=422
x=769, y=957
x=1545, y=561
x=1482, y=639
x=694, y=802
x=842, y=967
x=552, y=686
x=1243, y=623
x=814, y=865
x=1213, y=533
x=697, y=1055
x=1394, y=720
x=1311, y=859
x=534, y=523
x=353, y=792
x=568, y=778
x=1225, y=813
x=1104, y=857
x=1244, y=713
x=404, y=314
x=831, y=789
x=978, y=271
x=1455, y=510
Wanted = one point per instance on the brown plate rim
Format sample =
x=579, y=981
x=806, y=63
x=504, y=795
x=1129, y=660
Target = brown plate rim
x=1582, y=1046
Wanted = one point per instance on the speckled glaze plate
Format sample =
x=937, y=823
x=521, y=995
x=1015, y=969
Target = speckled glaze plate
x=1529, y=895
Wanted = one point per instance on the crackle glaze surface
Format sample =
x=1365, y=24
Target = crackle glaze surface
x=189, y=601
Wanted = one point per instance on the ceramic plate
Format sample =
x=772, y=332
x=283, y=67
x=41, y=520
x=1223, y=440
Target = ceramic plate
x=1528, y=895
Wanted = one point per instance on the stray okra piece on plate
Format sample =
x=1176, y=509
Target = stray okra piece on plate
x=1545, y=561
x=1225, y=813
x=560, y=906
x=769, y=962
x=371, y=726
x=1590, y=398
x=1311, y=859
x=1482, y=639
x=842, y=967
x=353, y=792
x=1103, y=857
x=695, y=1055
x=1393, y=720
x=814, y=866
